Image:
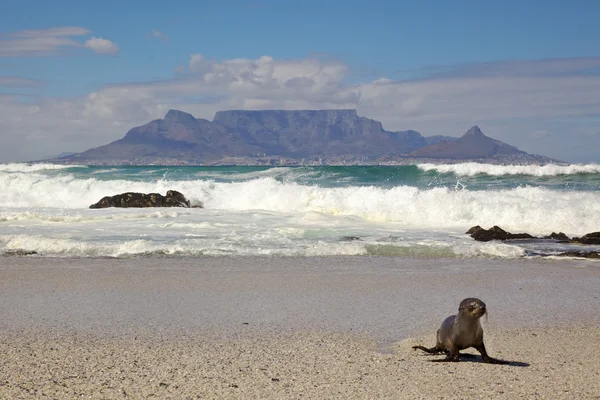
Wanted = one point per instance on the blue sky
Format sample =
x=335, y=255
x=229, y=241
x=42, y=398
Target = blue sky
x=78, y=74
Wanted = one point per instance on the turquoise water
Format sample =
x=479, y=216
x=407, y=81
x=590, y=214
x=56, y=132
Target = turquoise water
x=497, y=177
x=421, y=210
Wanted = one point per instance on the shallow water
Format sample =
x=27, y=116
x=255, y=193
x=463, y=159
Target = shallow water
x=389, y=298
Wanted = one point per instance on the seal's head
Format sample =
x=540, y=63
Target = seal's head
x=472, y=307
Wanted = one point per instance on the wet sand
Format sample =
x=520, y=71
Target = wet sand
x=332, y=327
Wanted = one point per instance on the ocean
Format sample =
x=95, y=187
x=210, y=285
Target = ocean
x=418, y=210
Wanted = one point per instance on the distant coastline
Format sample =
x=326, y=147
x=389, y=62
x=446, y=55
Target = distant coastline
x=293, y=138
x=287, y=162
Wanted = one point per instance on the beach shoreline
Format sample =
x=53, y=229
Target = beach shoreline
x=284, y=327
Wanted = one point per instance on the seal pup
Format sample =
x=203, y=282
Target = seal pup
x=461, y=331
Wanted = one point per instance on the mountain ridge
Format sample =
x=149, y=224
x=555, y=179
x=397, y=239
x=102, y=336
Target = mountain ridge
x=288, y=137
x=473, y=144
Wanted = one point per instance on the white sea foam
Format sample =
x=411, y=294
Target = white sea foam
x=286, y=174
x=271, y=172
x=270, y=213
x=532, y=209
x=104, y=171
x=259, y=245
x=26, y=167
x=187, y=246
x=471, y=169
x=262, y=244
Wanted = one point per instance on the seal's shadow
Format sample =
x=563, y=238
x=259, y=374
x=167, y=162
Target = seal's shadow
x=473, y=358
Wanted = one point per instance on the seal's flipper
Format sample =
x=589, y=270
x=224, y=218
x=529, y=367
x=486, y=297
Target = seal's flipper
x=488, y=359
x=433, y=350
x=452, y=356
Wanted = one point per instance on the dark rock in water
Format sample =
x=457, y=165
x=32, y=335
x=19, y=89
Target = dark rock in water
x=581, y=254
x=132, y=199
x=590, y=238
x=495, y=233
x=474, y=229
x=561, y=237
x=350, y=238
x=19, y=252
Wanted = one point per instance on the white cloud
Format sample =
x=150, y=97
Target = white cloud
x=101, y=45
x=51, y=32
x=269, y=81
x=46, y=42
x=507, y=104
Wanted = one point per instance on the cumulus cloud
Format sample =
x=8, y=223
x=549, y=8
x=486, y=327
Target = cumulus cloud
x=45, y=42
x=509, y=104
x=266, y=82
x=101, y=45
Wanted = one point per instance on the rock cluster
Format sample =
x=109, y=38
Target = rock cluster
x=497, y=233
x=173, y=198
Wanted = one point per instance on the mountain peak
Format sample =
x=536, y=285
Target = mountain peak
x=290, y=136
x=474, y=132
x=180, y=116
x=472, y=145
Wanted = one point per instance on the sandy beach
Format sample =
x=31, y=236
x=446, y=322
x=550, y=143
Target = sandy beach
x=289, y=328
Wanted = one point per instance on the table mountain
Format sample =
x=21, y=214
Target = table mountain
x=280, y=136
x=316, y=133
x=237, y=133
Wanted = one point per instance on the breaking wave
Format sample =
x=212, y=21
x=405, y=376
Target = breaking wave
x=472, y=168
x=22, y=167
x=533, y=209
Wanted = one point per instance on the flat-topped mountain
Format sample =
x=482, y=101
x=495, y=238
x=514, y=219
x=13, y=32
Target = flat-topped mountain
x=284, y=137
x=309, y=133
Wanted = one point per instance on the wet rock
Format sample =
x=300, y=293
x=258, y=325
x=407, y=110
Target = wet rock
x=19, y=252
x=495, y=233
x=474, y=229
x=590, y=238
x=561, y=237
x=133, y=199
